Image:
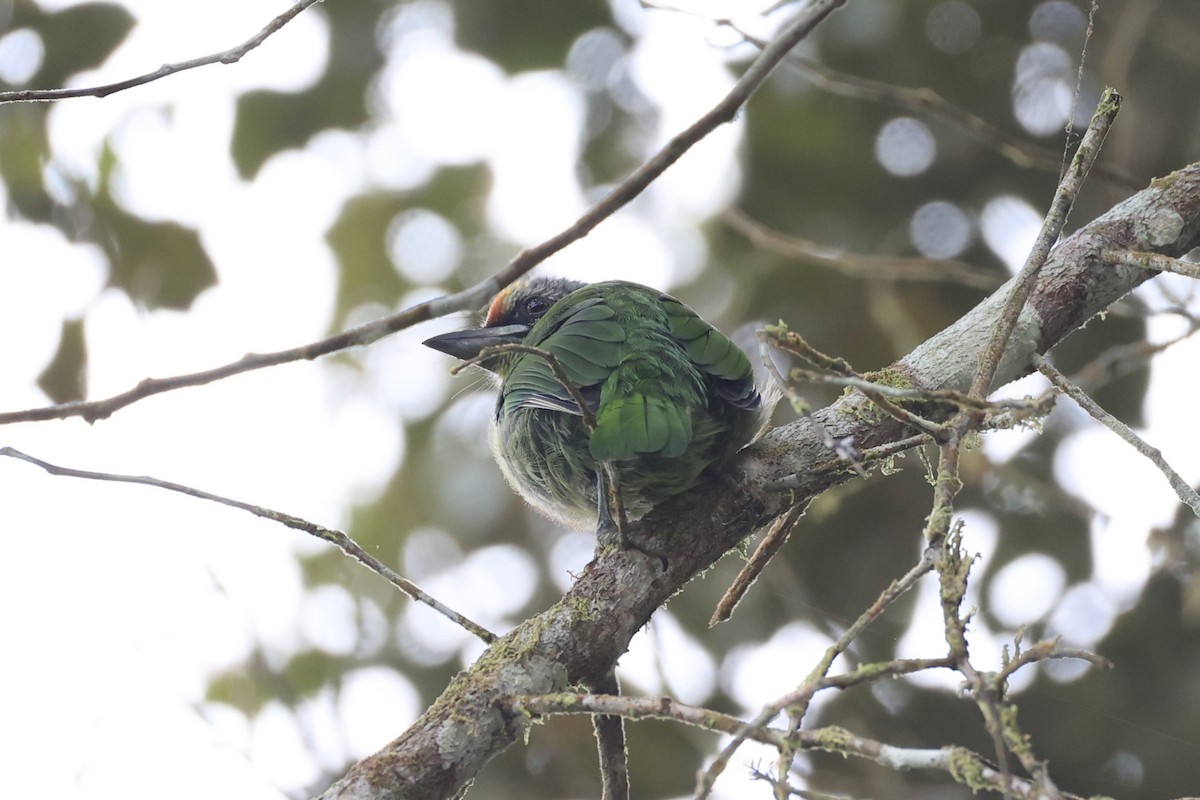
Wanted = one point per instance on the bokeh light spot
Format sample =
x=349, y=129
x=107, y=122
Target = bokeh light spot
x=1010, y=227
x=1058, y=21
x=423, y=245
x=593, y=55
x=374, y=703
x=953, y=26
x=1083, y=616
x=905, y=147
x=940, y=230
x=1026, y=588
x=1044, y=88
x=21, y=56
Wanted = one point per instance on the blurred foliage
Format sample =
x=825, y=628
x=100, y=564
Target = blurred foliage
x=808, y=170
x=64, y=379
x=159, y=264
x=269, y=122
x=78, y=38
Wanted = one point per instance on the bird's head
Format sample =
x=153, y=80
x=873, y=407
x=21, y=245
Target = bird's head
x=508, y=319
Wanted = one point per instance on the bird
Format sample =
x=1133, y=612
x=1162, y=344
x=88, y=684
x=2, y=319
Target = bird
x=655, y=398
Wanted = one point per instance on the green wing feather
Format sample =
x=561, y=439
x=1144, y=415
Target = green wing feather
x=584, y=337
x=640, y=424
x=647, y=404
x=715, y=353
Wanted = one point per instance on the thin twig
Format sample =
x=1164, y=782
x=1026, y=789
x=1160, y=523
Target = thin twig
x=334, y=537
x=1049, y=649
x=946, y=486
x=946, y=396
x=610, y=744
x=560, y=374
x=859, y=265
x=1119, y=361
x=1155, y=261
x=774, y=539
x=1070, y=128
x=94, y=410
x=635, y=708
x=1052, y=226
x=724, y=111
x=925, y=101
x=230, y=56
x=794, y=343
x=953, y=568
x=877, y=453
x=1182, y=488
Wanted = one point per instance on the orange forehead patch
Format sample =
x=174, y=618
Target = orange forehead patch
x=497, y=309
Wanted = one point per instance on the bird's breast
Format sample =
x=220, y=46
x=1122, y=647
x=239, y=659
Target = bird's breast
x=544, y=455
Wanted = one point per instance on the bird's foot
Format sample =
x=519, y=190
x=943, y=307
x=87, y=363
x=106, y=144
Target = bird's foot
x=610, y=534
x=649, y=552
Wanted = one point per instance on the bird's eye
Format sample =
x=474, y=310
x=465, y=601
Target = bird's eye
x=536, y=306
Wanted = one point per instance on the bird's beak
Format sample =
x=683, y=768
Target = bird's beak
x=469, y=343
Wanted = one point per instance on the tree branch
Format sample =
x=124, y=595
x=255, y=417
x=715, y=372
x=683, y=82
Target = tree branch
x=580, y=638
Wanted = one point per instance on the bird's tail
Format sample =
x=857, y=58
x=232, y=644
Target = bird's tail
x=746, y=337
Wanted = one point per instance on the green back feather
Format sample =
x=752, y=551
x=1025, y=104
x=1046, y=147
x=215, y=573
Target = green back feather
x=646, y=365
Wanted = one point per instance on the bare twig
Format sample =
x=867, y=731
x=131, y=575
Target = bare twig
x=230, y=56
x=859, y=265
x=794, y=343
x=965, y=766
x=1056, y=218
x=1156, y=261
x=1087, y=37
x=949, y=397
x=878, y=453
x=1182, y=488
x=610, y=743
x=774, y=539
x=334, y=537
x=1116, y=362
x=1047, y=650
x=560, y=374
x=946, y=486
x=953, y=567
x=94, y=410
x=925, y=101
x=635, y=708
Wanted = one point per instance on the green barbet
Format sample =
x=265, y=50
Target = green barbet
x=671, y=396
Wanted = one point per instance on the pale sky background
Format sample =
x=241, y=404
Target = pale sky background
x=119, y=601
